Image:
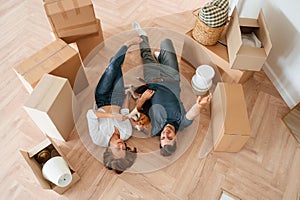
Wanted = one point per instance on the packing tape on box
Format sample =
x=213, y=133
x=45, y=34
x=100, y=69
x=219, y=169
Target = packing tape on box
x=45, y=59
x=76, y=5
x=61, y=7
x=64, y=12
x=78, y=26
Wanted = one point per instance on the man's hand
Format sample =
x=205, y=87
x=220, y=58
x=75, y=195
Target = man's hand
x=144, y=97
x=147, y=94
x=203, y=101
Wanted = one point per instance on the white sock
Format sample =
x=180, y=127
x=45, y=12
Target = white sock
x=137, y=27
x=156, y=54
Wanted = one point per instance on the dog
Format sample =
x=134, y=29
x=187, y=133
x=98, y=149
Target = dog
x=139, y=121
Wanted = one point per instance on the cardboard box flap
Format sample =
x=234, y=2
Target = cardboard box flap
x=36, y=169
x=234, y=36
x=54, y=7
x=38, y=148
x=42, y=98
x=248, y=22
x=237, y=122
x=264, y=34
x=40, y=56
x=252, y=52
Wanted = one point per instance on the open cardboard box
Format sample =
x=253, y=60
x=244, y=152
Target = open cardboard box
x=245, y=57
x=218, y=55
x=36, y=167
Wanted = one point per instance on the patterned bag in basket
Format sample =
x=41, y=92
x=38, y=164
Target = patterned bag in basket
x=215, y=13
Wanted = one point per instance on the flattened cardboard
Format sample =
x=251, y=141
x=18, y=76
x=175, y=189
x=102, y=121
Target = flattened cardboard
x=71, y=17
x=37, y=168
x=244, y=57
x=230, y=123
x=50, y=107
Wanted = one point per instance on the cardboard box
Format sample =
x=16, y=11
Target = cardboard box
x=50, y=107
x=73, y=39
x=87, y=44
x=71, y=17
x=59, y=59
x=229, y=118
x=36, y=167
x=219, y=56
x=246, y=57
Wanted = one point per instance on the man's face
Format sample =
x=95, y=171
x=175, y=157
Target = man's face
x=118, y=148
x=167, y=136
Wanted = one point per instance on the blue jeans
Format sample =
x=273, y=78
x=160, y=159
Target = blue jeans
x=110, y=88
x=167, y=65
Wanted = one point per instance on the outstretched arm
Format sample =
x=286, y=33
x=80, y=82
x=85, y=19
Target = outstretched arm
x=197, y=108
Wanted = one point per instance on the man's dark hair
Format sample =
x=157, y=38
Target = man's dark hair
x=119, y=165
x=168, y=150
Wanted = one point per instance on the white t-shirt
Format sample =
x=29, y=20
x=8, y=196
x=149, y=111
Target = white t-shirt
x=101, y=129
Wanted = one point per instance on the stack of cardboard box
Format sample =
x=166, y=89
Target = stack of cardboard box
x=55, y=74
x=75, y=21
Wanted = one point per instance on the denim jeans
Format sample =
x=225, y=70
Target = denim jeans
x=110, y=88
x=167, y=66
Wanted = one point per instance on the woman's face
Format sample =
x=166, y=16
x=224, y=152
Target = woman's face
x=118, y=148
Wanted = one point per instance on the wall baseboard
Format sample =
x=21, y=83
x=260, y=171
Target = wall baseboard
x=286, y=96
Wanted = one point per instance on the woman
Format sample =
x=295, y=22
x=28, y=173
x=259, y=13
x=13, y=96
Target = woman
x=108, y=124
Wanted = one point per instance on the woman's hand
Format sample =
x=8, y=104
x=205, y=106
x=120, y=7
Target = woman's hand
x=120, y=117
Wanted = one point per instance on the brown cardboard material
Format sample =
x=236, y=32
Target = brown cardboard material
x=87, y=44
x=229, y=119
x=71, y=17
x=245, y=57
x=57, y=58
x=50, y=107
x=219, y=56
x=37, y=168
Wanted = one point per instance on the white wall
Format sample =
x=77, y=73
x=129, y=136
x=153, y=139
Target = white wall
x=283, y=63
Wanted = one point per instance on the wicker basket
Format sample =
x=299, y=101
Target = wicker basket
x=204, y=34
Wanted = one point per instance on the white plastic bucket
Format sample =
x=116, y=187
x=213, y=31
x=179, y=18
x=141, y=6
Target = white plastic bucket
x=57, y=171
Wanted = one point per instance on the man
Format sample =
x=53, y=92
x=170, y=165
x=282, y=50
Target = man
x=108, y=124
x=160, y=99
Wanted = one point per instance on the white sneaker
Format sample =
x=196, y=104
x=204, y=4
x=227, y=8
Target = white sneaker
x=138, y=28
x=156, y=54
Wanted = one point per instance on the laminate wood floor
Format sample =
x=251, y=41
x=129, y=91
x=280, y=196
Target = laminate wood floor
x=266, y=168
